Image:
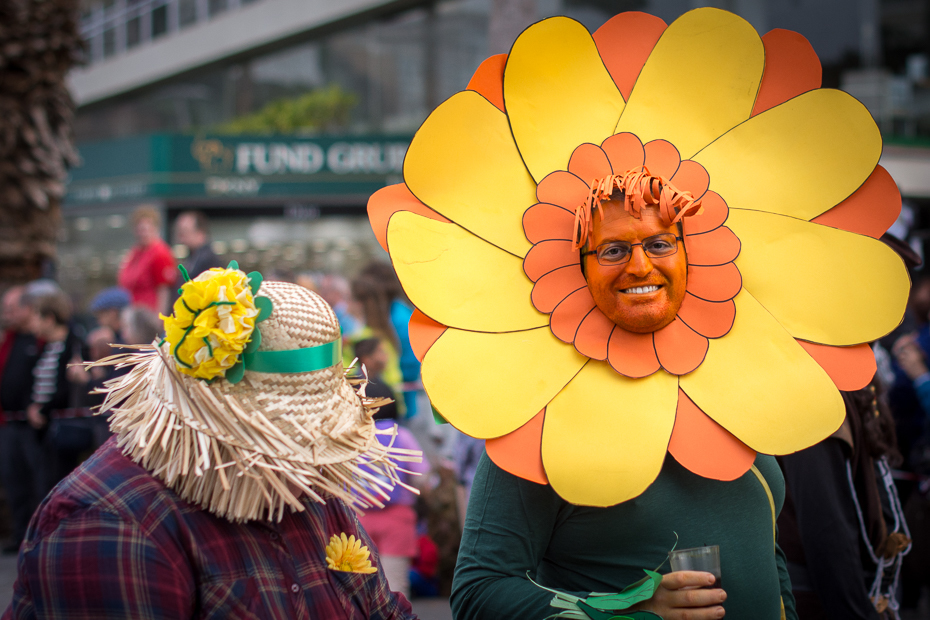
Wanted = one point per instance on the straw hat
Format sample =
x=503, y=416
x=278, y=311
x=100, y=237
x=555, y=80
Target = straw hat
x=244, y=405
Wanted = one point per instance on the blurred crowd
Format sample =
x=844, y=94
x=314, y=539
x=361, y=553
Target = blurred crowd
x=48, y=392
x=850, y=499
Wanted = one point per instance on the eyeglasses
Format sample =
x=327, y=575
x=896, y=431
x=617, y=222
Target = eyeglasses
x=619, y=252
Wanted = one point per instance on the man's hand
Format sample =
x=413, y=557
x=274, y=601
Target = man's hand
x=686, y=595
x=35, y=417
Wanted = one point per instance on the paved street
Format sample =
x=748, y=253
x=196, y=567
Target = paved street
x=427, y=609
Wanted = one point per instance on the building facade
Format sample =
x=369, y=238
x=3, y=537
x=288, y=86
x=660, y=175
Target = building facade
x=278, y=118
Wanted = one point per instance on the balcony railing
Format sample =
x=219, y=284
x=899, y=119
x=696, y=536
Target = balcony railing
x=112, y=27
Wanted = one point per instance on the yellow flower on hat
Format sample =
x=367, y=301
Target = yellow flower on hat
x=212, y=323
x=755, y=360
x=348, y=555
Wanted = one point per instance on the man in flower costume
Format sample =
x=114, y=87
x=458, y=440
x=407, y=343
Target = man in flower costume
x=226, y=492
x=643, y=262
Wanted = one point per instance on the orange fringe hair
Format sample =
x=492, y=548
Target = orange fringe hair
x=640, y=189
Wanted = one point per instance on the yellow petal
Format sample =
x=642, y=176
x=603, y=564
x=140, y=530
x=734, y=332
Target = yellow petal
x=699, y=81
x=605, y=436
x=459, y=280
x=463, y=163
x=822, y=284
x=558, y=94
x=759, y=384
x=487, y=385
x=799, y=159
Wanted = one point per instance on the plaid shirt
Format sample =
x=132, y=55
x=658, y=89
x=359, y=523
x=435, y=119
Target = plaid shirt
x=111, y=541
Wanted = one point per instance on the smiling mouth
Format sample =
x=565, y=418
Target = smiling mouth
x=640, y=290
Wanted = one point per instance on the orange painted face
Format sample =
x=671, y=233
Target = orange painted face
x=644, y=293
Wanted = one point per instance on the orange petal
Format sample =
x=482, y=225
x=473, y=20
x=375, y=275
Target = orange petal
x=589, y=162
x=389, y=200
x=710, y=319
x=624, y=43
x=545, y=221
x=593, y=334
x=679, y=348
x=625, y=152
x=662, y=158
x=691, y=177
x=791, y=68
x=706, y=448
x=518, y=452
x=714, y=214
x=423, y=332
x=555, y=286
x=851, y=368
x=548, y=256
x=563, y=189
x=632, y=355
x=569, y=314
x=717, y=247
x=488, y=80
x=871, y=209
x=714, y=283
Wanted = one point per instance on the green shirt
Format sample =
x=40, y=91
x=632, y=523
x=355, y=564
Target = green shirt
x=514, y=526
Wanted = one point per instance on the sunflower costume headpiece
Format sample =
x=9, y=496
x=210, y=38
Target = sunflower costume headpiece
x=787, y=281
x=244, y=405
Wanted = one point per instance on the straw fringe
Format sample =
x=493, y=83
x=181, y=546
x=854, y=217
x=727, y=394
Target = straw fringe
x=251, y=455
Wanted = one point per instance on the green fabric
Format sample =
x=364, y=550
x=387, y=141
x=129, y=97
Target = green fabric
x=292, y=361
x=514, y=526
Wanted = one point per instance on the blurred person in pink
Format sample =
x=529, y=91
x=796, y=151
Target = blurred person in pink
x=149, y=269
x=394, y=527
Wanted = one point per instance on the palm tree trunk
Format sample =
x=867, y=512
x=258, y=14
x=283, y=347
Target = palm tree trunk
x=39, y=43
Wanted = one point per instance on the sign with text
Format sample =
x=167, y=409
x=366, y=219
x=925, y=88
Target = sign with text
x=237, y=167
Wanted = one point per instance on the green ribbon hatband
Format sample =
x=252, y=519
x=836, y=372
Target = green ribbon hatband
x=293, y=361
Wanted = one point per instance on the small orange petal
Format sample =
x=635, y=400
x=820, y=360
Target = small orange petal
x=871, y=209
x=704, y=447
x=548, y=256
x=662, y=158
x=714, y=283
x=589, y=162
x=791, y=68
x=632, y=355
x=714, y=214
x=717, y=247
x=851, y=368
x=563, y=189
x=710, y=319
x=389, y=200
x=624, y=43
x=424, y=331
x=555, y=286
x=545, y=221
x=593, y=334
x=488, y=80
x=625, y=152
x=691, y=177
x=569, y=314
x=518, y=452
x=679, y=348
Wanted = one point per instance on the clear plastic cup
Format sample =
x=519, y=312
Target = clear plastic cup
x=706, y=559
